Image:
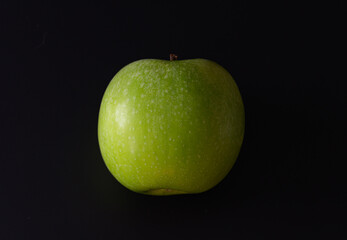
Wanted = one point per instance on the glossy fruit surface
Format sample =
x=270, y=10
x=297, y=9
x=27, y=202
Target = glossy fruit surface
x=171, y=127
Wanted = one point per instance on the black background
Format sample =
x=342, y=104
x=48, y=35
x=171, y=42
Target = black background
x=57, y=60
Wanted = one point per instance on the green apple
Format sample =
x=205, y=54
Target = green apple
x=171, y=127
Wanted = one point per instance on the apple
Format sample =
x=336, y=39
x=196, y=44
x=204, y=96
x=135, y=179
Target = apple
x=171, y=127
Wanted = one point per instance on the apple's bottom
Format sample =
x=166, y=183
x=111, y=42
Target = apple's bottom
x=164, y=191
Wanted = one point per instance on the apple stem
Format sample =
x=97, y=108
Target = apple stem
x=173, y=57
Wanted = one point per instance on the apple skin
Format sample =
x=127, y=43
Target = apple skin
x=171, y=127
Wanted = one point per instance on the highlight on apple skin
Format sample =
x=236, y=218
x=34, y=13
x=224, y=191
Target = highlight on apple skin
x=171, y=127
